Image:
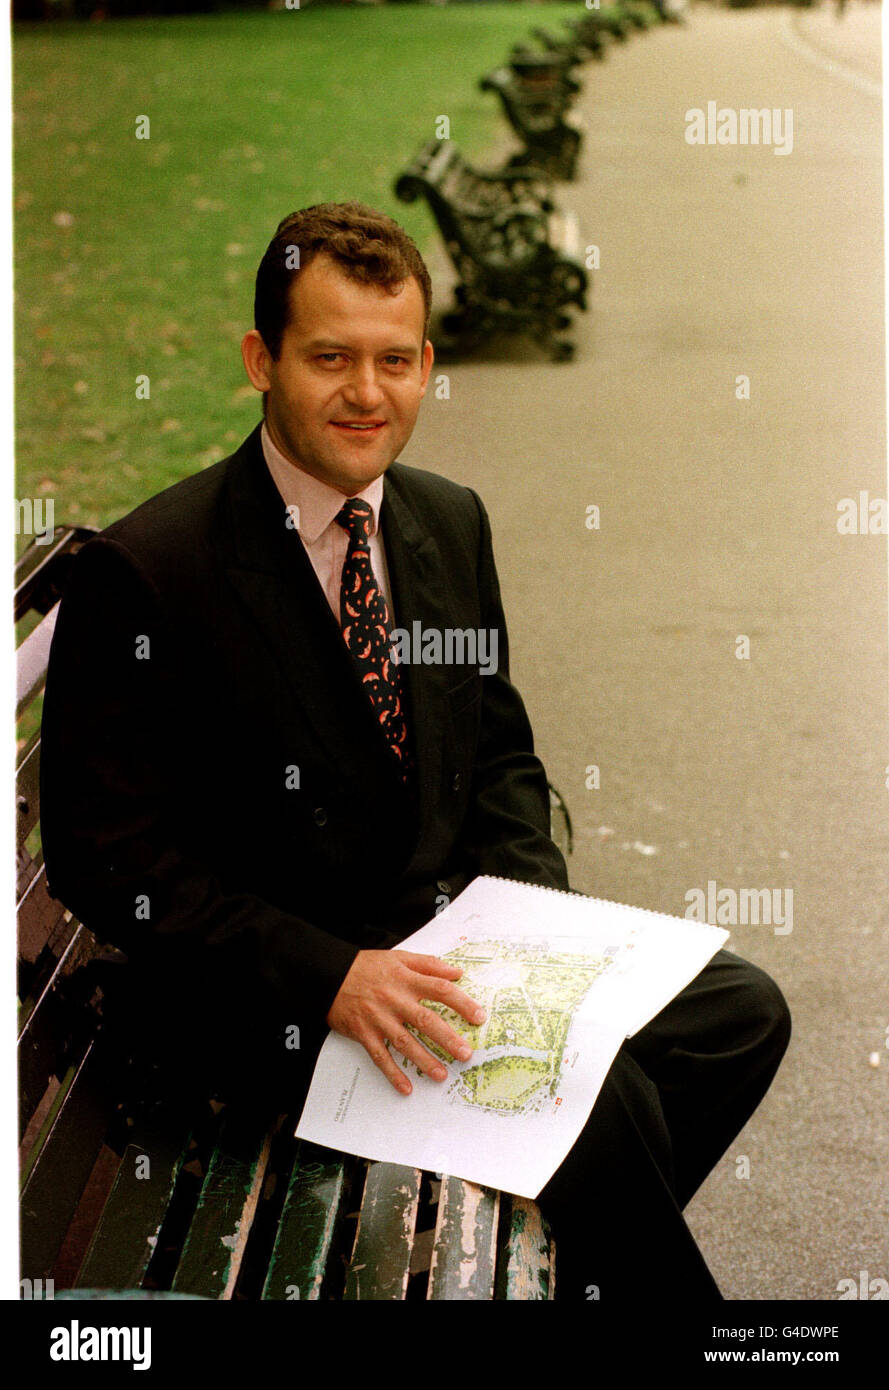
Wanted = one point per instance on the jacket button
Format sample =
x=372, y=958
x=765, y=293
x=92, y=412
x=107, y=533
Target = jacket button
x=444, y=887
x=320, y=815
x=456, y=781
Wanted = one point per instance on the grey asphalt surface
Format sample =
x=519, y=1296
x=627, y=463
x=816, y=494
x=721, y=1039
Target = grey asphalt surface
x=719, y=519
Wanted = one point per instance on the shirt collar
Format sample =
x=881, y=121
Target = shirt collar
x=317, y=503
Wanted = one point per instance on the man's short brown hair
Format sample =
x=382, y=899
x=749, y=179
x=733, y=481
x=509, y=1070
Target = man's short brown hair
x=370, y=247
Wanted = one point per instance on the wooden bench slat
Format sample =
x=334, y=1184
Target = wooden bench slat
x=37, y=1066
x=381, y=1260
x=32, y=659
x=61, y=1162
x=26, y=869
x=126, y=1236
x=527, y=1270
x=41, y=918
x=27, y=791
x=38, y=569
x=465, y=1247
x=69, y=947
x=306, y=1228
x=45, y=1037
x=214, y=1250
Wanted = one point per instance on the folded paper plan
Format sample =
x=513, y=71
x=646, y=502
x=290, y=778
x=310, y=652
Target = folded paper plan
x=563, y=979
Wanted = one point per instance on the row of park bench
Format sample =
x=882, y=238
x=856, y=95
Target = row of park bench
x=131, y=1190
x=518, y=259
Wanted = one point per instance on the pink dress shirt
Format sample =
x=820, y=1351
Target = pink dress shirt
x=325, y=542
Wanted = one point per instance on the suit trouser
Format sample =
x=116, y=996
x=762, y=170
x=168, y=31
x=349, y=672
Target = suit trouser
x=675, y=1097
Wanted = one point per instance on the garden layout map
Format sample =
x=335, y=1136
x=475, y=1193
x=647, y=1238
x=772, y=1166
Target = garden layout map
x=563, y=979
x=530, y=994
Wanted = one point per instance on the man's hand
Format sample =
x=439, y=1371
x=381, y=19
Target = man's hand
x=380, y=999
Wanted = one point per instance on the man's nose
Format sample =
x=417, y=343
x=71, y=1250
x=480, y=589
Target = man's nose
x=363, y=388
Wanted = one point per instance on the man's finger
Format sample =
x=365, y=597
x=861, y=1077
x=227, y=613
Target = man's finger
x=456, y=999
x=410, y=1047
x=432, y=1025
x=430, y=965
x=379, y=1054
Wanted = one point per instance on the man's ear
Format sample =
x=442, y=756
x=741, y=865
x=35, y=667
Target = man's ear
x=428, y=359
x=257, y=359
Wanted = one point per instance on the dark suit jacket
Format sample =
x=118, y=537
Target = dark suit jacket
x=168, y=825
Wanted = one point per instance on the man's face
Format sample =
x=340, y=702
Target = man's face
x=342, y=399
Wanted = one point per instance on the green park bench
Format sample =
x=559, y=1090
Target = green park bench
x=130, y=1192
x=613, y=20
x=548, y=74
x=641, y=14
x=516, y=256
x=589, y=35
x=573, y=45
x=565, y=56
x=536, y=92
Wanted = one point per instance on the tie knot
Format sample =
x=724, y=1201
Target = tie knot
x=356, y=516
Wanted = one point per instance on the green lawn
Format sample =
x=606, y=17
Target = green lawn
x=137, y=256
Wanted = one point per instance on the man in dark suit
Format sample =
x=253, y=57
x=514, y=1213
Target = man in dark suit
x=248, y=794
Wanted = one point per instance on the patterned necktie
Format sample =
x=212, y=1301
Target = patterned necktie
x=364, y=617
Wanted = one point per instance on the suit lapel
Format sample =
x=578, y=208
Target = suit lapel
x=421, y=594
x=268, y=566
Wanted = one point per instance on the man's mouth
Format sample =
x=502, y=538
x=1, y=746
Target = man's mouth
x=359, y=426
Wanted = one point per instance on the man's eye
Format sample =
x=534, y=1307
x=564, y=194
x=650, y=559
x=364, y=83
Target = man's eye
x=395, y=361
x=329, y=356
